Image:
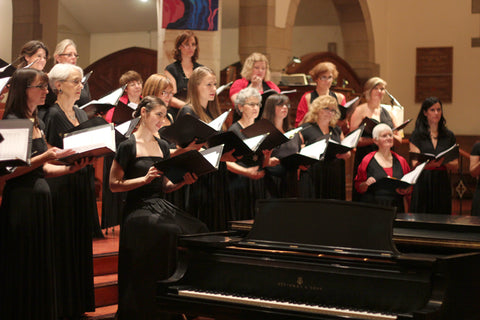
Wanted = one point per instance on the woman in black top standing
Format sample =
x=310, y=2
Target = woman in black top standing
x=178, y=72
x=432, y=192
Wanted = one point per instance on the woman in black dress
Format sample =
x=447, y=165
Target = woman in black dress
x=326, y=178
x=281, y=181
x=374, y=90
x=475, y=172
x=74, y=200
x=379, y=164
x=432, y=193
x=208, y=199
x=186, y=56
x=28, y=263
x=245, y=183
x=151, y=224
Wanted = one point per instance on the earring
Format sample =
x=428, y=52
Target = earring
x=60, y=91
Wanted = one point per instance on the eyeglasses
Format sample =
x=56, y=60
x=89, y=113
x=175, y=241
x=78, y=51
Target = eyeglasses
x=74, y=81
x=325, y=78
x=70, y=55
x=252, y=104
x=40, y=86
x=134, y=83
x=330, y=110
x=167, y=94
x=189, y=45
x=283, y=105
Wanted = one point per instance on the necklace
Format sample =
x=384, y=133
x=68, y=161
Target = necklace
x=70, y=115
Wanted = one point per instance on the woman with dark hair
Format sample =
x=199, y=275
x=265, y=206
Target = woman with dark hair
x=475, y=172
x=186, y=56
x=281, y=181
x=432, y=192
x=74, y=200
x=324, y=179
x=27, y=238
x=150, y=226
x=32, y=51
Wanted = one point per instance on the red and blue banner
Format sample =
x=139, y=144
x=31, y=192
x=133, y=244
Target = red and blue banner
x=190, y=14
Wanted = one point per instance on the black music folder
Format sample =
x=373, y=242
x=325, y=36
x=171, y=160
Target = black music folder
x=262, y=126
x=96, y=141
x=16, y=147
x=369, y=125
x=102, y=105
x=124, y=131
x=449, y=154
x=403, y=125
x=343, y=109
x=308, y=155
x=406, y=181
x=193, y=161
x=123, y=112
x=231, y=141
x=3, y=83
x=348, y=143
x=6, y=69
x=188, y=128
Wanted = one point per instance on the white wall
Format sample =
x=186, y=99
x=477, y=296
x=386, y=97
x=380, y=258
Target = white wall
x=308, y=39
x=6, y=21
x=402, y=26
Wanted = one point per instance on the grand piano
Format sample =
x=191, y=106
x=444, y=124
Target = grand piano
x=318, y=259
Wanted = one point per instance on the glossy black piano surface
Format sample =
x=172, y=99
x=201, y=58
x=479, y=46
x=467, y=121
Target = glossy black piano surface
x=318, y=259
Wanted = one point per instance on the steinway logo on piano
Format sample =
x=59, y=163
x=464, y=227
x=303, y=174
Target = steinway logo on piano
x=299, y=284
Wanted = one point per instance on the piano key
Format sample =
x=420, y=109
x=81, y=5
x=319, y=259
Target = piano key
x=353, y=314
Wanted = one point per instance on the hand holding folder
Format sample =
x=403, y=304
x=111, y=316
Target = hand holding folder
x=448, y=155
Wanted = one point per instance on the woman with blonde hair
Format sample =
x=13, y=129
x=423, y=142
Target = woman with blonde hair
x=325, y=179
x=323, y=74
x=255, y=74
x=160, y=86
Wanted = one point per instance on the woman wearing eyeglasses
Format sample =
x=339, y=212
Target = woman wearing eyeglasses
x=323, y=74
x=65, y=52
x=325, y=179
x=160, y=86
x=179, y=72
x=74, y=200
x=27, y=236
x=133, y=83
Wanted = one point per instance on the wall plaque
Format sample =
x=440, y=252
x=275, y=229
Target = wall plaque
x=434, y=73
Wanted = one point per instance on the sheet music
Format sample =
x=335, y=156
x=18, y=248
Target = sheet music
x=351, y=102
x=3, y=83
x=254, y=142
x=111, y=98
x=315, y=150
x=413, y=175
x=213, y=155
x=5, y=68
x=217, y=123
x=99, y=137
x=290, y=133
x=15, y=144
x=225, y=86
x=352, y=139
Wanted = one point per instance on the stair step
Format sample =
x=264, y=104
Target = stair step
x=102, y=313
x=106, y=263
x=106, y=290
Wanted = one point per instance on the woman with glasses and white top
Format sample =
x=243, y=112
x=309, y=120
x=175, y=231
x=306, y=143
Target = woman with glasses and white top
x=74, y=200
x=323, y=74
x=179, y=72
x=325, y=179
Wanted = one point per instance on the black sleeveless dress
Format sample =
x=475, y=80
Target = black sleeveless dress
x=148, y=236
x=476, y=194
x=27, y=264
x=326, y=178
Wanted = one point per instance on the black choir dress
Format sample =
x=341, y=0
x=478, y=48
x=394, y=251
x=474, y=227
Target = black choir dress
x=85, y=98
x=432, y=193
x=27, y=265
x=282, y=181
x=75, y=208
x=326, y=178
x=361, y=152
x=208, y=198
x=148, y=236
x=476, y=195
x=176, y=70
x=244, y=190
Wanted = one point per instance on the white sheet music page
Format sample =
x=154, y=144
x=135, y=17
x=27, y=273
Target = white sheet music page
x=413, y=175
x=96, y=138
x=213, y=155
x=254, y=142
x=15, y=144
x=352, y=139
x=217, y=123
x=314, y=150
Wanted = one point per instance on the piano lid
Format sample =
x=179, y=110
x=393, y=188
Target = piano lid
x=335, y=224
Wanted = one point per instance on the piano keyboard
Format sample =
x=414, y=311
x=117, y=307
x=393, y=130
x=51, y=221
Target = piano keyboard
x=352, y=314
